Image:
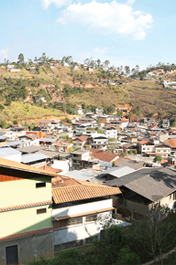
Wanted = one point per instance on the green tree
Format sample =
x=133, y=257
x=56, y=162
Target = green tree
x=98, y=62
x=106, y=62
x=1, y=107
x=127, y=70
x=100, y=130
x=21, y=58
x=155, y=231
x=157, y=158
x=3, y=124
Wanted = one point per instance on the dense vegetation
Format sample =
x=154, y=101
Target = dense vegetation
x=144, y=240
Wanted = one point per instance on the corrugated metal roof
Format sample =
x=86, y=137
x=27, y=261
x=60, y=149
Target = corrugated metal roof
x=28, y=158
x=7, y=151
x=15, y=143
x=118, y=171
x=152, y=184
x=29, y=149
x=79, y=175
x=48, y=140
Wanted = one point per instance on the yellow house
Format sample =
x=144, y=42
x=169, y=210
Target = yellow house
x=25, y=212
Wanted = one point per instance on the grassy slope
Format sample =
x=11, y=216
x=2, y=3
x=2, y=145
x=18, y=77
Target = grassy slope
x=149, y=95
x=20, y=110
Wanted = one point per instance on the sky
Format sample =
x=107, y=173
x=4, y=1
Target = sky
x=125, y=32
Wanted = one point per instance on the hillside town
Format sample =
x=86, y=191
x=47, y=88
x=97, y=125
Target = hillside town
x=66, y=179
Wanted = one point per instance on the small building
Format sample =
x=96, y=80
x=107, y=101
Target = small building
x=78, y=208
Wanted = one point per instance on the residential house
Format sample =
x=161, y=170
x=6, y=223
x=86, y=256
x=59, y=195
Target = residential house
x=125, y=108
x=105, y=158
x=145, y=146
x=7, y=133
x=66, y=126
x=162, y=150
x=47, y=141
x=172, y=144
x=103, y=119
x=26, y=213
x=99, y=140
x=133, y=119
x=30, y=139
x=46, y=126
x=99, y=111
x=111, y=132
x=78, y=208
x=166, y=123
x=79, y=142
x=82, y=159
x=144, y=188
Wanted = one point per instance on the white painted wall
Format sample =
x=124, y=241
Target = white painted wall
x=59, y=164
x=77, y=232
x=82, y=208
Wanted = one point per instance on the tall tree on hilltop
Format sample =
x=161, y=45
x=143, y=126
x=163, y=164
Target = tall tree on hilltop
x=98, y=62
x=20, y=58
x=127, y=70
x=106, y=62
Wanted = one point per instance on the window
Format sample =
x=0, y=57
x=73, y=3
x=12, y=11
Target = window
x=74, y=221
x=40, y=184
x=91, y=218
x=43, y=210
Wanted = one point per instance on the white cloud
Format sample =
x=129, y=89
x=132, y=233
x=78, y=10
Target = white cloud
x=130, y=2
x=108, y=18
x=58, y=3
x=4, y=53
x=99, y=50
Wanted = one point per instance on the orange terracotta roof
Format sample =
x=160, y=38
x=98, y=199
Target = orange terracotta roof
x=15, y=165
x=26, y=233
x=16, y=207
x=171, y=142
x=82, y=138
x=51, y=169
x=66, y=123
x=144, y=142
x=133, y=118
x=62, y=181
x=83, y=190
x=103, y=155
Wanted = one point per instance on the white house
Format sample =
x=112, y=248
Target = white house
x=76, y=222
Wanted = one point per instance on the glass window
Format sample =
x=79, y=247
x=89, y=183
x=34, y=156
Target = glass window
x=91, y=218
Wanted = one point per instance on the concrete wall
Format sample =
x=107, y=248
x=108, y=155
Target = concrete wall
x=29, y=247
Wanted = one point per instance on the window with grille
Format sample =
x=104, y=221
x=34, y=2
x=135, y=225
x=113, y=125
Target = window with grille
x=91, y=218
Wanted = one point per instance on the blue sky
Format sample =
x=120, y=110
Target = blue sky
x=125, y=32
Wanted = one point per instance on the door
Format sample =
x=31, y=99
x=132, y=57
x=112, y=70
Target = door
x=12, y=255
